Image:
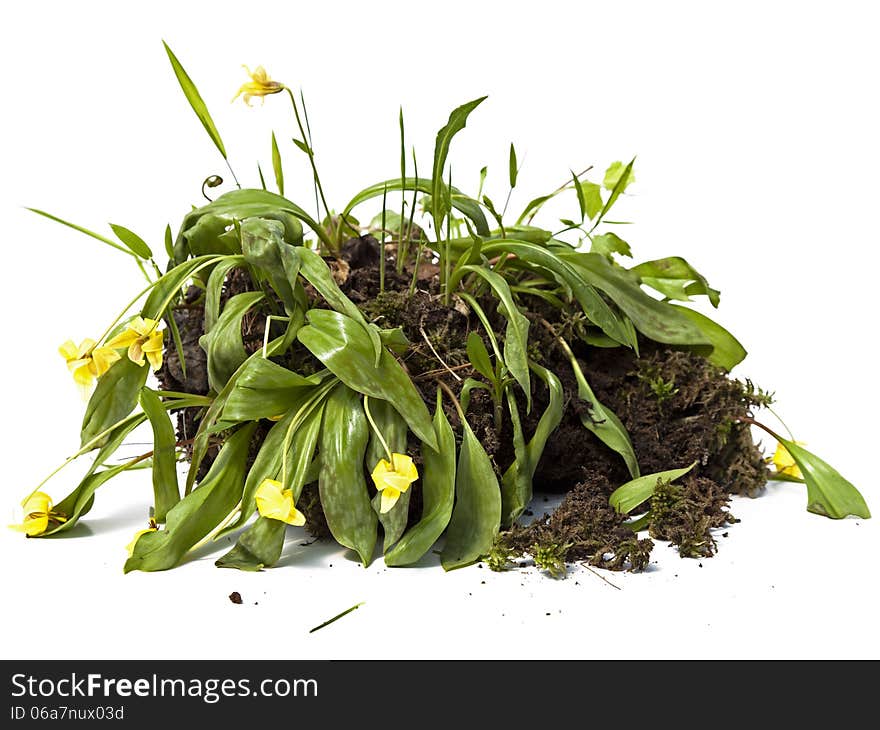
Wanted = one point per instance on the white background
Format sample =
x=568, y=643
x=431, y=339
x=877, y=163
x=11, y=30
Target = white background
x=755, y=126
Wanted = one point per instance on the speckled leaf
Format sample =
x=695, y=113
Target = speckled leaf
x=257, y=547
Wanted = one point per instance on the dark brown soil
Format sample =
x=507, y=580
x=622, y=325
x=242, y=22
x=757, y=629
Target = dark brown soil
x=677, y=407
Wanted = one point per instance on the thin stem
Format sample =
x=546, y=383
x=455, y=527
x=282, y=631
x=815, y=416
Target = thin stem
x=232, y=172
x=784, y=424
x=309, y=152
x=376, y=429
x=454, y=399
x=753, y=422
x=382, y=244
x=437, y=355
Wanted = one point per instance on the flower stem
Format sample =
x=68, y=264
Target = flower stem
x=376, y=429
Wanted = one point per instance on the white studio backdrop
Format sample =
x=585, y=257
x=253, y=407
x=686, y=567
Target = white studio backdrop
x=755, y=126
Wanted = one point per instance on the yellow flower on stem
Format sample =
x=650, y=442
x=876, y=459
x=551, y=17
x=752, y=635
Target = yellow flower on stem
x=87, y=362
x=38, y=513
x=784, y=462
x=277, y=503
x=393, y=479
x=259, y=85
x=137, y=536
x=141, y=337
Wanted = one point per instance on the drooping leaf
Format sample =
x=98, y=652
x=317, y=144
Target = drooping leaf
x=675, y=278
x=276, y=166
x=628, y=496
x=202, y=510
x=113, y=399
x=476, y=516
x=166, y=288
x=582, y=201
x=438, y=495
x=258, y=547
x=342, y=345
x=726, y=351
x=264, y=248
x=195, y=100
x=214, y=289
x=342, y=486
x=132, y=241
x=265, y=389
x=828, y=493
x=166, y=492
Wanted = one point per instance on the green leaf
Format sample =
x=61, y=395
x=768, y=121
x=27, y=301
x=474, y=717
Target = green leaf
x=199, y=512
x=726, y=351
x=582, y=201
x=393, y=429
x=615, y=174
x=169, y=242
x=516, y=484
x=195, y=100
x=264, y=247
x=592, y=194
x=223, y=344
x=258, y=547
x=676, y=278
x=276, y=166
x=610, y=243
x=657, y=320
x=438, y=495
x=113, y=399
x=166, y=492
x=457, y=121
x=596, y=309
x=628, y=496
x=624, y=178
x=96, y=236
x=214, y=289
x=132, y=241
x=168, y=286
x=603, y=422
x=479, y=356
x=318, y=274
x=828, y=493
x=342, y=345
x=341, y=484
x=511, y=167
x=265, y=389
x=516, y=337
x=476, y=516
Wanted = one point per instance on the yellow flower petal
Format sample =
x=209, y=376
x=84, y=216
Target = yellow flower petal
x=784, y=462
x=404, y=465
x=136, y=352
x=295, y=517
x=276, y=503
x=83, y=375
x=86, y=346
x=123, y=339
x=102, y=359
x=389, y=498
x=259, y=85
x=68, y=350
x=33, y=524
x=137, y=536
x=37, y=502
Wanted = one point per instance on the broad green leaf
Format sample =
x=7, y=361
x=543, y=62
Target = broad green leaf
x=596, y=309
x=457, y=121
x=516, y=484
x=461, y=202
x=264, y=248
x=166, y=492
x=223, y=344
x=258, y=547
x=96, y=236
x=675, y=278
x=592, y=194
x=195, y=100
x=113, y=399
x=657, y=320
x=628, y=496
x=276, y=166
x=342, y=345
x=318, y=274
x=214, y=289
x=615, y=173
x=828, y=493
x=610, y=243
x=516, y=337
x=393, y=430
x=479, y=356
x=265, y=389
x=726, y=351
x=132, y=241
x=341, y=485
x=511, y=167
x=438, y=494
x=476, y=516
x=202, y=510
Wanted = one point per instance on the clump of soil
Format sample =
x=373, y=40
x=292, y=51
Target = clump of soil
x=678, y=409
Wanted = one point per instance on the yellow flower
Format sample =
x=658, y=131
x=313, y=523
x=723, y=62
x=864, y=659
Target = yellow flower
x=137, y=536
x=784, y=462
x=38, y=513
x=87, y=362
x=277, y=503
x=393, y=479
x=141, y=338
x=259, y=85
